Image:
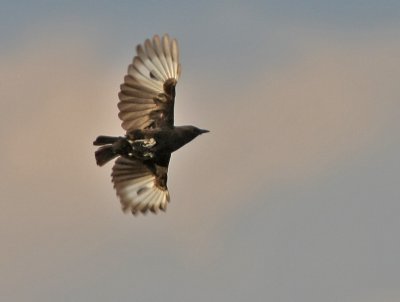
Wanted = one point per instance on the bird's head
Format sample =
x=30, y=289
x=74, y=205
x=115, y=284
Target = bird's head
x=188, y=133
x=181, y=135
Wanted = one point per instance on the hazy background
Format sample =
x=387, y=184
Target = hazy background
x=293, y=196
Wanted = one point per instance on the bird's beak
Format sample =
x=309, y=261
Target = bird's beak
x=203, y=131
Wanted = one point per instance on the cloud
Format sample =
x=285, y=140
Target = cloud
x=376, y=296
x=52, y=92
x=284, y=127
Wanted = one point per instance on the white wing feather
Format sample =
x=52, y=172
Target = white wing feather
x=157, y=60
x=136, y=187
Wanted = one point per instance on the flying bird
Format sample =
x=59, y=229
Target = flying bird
x=146, y=108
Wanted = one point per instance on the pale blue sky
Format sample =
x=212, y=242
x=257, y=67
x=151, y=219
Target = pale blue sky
x=293, y=196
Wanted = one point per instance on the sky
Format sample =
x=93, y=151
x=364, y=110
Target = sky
x=292, y=196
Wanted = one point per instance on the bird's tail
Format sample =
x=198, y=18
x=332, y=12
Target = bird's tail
x=105, y=140
x=106, y=152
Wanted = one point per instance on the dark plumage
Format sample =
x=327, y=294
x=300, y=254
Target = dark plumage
x=146, y=107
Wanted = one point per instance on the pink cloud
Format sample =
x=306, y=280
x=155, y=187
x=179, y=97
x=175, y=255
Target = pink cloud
x=284, y=127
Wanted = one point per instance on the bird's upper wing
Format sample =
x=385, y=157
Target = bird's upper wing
x=148, y=93
x=140, y=186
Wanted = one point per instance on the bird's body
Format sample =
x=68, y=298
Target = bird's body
x=147, y=145
x=146, y=107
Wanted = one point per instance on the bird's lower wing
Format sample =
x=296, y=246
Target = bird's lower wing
x=138, y=186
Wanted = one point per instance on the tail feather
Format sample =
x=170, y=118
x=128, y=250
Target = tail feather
x=105, y=140
x=104, y=155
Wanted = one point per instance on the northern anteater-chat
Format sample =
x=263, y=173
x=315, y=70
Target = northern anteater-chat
x=146, y=108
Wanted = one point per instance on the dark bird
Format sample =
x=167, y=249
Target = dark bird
x=146, y=108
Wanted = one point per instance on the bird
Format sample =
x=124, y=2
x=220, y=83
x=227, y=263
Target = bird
x=146, y=108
